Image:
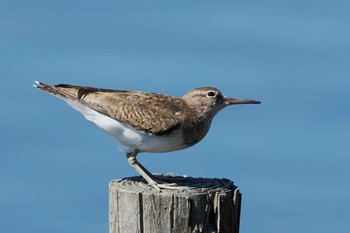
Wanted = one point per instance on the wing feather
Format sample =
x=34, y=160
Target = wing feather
x=151, y=113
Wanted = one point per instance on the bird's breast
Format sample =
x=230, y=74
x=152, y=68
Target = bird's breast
x=195, y=132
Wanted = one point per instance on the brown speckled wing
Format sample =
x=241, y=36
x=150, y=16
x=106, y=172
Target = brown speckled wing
x=149, y=112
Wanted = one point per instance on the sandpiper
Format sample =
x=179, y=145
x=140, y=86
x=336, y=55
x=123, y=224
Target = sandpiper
x=145, y=121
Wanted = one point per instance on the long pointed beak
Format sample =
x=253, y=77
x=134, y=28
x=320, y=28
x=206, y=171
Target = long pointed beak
x=231, y=101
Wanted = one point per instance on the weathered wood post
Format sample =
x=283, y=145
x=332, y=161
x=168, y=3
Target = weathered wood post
x=203, y=205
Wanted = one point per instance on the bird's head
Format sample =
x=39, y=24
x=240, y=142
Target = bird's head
x=209, y=100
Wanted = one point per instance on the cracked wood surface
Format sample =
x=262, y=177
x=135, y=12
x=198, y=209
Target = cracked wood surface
x=199, y=205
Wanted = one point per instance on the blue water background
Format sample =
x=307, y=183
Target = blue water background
x=290, y=156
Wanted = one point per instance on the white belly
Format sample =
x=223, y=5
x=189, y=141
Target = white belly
x=129, y=137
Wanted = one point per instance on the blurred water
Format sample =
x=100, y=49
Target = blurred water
x=289, y=156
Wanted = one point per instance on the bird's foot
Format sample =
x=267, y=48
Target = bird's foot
x=159, y=185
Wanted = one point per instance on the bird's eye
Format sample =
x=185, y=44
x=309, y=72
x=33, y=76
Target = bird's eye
x=211, y=94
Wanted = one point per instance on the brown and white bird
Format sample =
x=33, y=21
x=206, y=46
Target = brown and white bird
x=144, y=121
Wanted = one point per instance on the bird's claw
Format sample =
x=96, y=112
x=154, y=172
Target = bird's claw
x=159, y=185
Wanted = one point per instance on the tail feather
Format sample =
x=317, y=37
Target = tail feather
x=61, y=90
x=42, y=86
x=36, y=85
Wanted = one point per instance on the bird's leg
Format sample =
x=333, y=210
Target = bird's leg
x=141, y=169
x=146, y=174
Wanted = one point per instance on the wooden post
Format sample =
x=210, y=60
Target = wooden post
x=202, y=205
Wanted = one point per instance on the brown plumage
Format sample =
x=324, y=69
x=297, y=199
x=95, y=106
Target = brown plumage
x=145, y=121
x=145, y=111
